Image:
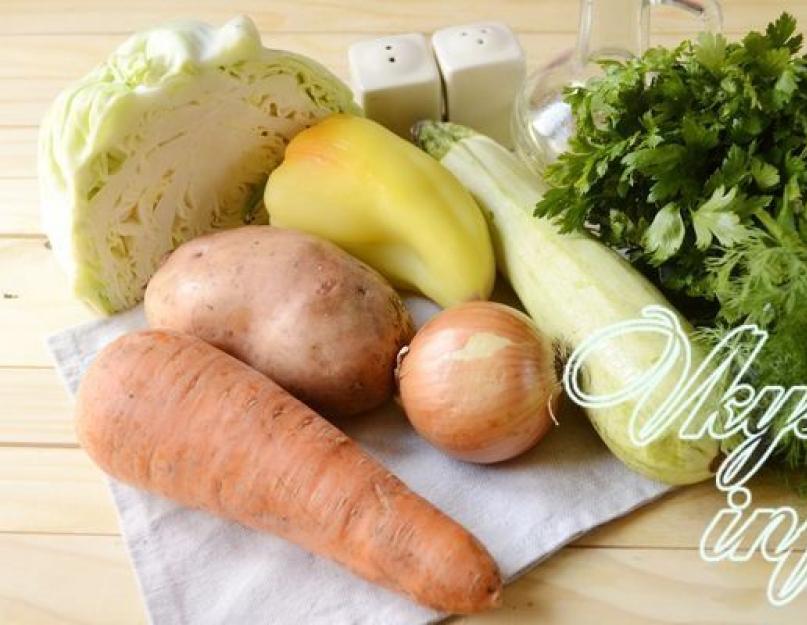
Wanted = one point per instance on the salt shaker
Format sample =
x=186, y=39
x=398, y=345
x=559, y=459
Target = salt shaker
x=483, y=67
x=396, y=80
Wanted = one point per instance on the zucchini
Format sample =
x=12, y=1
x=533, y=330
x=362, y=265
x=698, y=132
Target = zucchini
x=573, y=286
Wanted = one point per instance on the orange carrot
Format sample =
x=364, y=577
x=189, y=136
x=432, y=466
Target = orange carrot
x=171, y=414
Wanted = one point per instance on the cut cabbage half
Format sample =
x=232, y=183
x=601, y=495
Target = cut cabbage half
x=172, y=137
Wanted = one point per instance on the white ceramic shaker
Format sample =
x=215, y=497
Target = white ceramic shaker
x=483, y=67
x=396, y=81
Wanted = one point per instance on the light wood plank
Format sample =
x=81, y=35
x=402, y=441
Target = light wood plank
x=64, y=58
x=60, y=59
x=67, y=580
x=17, y=159
x=641, y=587
x=19, y=206
x=35, y=302
x=55, y=491
x=60, y=491
x=31, y=80
x=46, y=580
x=87, y=580
x=36, y=409
x=679, y=519
x=96, y=16
x=20, y=93
x=89, y=16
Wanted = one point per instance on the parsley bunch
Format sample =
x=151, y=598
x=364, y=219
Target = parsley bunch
x=692, y=162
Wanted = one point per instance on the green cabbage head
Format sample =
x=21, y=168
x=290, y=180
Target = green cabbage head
x=172, y=137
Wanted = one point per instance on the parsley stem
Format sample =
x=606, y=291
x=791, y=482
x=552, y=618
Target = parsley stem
x=774, y=229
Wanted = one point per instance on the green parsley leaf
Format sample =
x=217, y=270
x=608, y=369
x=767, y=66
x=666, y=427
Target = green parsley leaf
x=665, y=235
x=765, y=174
x=780, y=33
x=711, y=51
x=713, y=218
x=784, y=88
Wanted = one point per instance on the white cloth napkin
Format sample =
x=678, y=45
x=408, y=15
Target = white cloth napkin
x=195, y=569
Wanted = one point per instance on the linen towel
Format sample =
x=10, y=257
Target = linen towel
x=195, y=569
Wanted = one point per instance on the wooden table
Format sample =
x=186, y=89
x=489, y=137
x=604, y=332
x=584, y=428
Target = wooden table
x=61, y=557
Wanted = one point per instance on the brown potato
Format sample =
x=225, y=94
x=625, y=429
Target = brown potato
x=320, y=323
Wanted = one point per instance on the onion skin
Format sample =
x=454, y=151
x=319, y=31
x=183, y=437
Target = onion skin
x=477, y=382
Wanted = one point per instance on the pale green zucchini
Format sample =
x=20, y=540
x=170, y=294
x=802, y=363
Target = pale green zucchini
x=573, y=286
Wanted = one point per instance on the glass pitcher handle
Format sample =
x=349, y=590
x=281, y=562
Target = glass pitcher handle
x=542, y=122
x=709, y=12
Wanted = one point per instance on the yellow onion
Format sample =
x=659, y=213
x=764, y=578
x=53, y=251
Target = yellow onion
x=478, y=382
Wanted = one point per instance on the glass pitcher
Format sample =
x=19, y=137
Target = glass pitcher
x=542, y=121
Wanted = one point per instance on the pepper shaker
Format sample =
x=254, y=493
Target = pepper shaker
x=483, y=67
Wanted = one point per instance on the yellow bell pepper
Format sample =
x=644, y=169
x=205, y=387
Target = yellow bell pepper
x=353, y=182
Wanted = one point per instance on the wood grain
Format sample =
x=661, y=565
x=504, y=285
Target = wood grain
x=35, y=302
x=81, y=505
x=324, y=16
x=641, y=587
x=30, y=82
x=65, y=58
x=67, y=580
x=18, y=152
x=576, y=586
x=19, y=207
x=60, y=559
x=53, y=491
x=35, y=410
